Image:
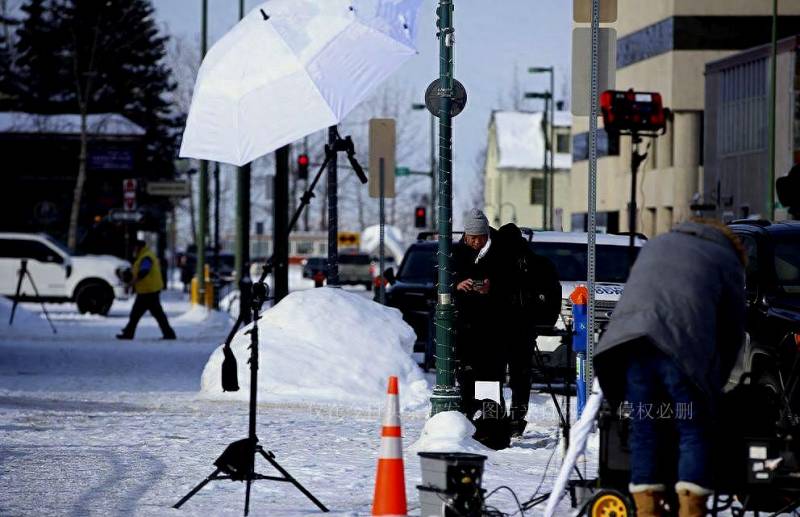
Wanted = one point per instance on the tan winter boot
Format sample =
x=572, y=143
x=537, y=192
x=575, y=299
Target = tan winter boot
x=648, y=501
x=691, y=499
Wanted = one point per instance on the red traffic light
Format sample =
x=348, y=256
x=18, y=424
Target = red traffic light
x=420, y=219
x=633, y=112
x=302, y=166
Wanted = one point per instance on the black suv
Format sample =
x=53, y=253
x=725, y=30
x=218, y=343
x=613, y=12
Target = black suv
x=773, y=299
x=413, y=290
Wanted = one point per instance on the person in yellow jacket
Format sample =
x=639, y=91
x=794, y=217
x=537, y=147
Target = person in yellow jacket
x=147, y=283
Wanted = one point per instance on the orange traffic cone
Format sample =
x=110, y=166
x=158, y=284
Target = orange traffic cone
x=390, y=483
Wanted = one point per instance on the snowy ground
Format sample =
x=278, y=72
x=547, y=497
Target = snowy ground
x=93, y=426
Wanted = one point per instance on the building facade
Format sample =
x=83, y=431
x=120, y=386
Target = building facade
x=737, y=178
x=664, y=47
x=514, y=189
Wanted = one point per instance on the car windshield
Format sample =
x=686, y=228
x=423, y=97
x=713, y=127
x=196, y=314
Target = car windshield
x=359, y=260
x=570, y=260
x=58, y=244
x=419, y=265
x=787, y=263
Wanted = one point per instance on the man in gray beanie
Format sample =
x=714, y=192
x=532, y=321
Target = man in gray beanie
x=480, y=348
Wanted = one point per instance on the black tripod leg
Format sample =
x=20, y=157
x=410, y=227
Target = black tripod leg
x=21, y=275
x=247, y=496
x=197, y=488
x=270, y=458
x=44, y=309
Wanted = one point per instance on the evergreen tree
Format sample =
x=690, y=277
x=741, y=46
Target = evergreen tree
x=98, y=56
x=109, y=51
x=36, y=77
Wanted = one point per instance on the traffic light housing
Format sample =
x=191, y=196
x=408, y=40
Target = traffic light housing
x=420, y=217
x=302, y=166
x=630, y=112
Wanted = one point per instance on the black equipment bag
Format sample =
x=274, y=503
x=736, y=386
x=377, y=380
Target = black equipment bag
x=492, y=425
x=537, y=291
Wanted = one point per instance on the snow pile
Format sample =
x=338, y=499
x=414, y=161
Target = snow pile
x=25, y=321
x=326, y=346
x=448, y=431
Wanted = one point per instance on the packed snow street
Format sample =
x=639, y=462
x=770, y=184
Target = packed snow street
x=94, y=426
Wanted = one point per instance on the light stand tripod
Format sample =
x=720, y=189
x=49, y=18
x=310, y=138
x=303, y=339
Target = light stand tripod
x=23, y=272
x=237, y=462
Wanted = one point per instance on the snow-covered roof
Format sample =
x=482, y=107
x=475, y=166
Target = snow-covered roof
x=106, y=124
x=520, y=141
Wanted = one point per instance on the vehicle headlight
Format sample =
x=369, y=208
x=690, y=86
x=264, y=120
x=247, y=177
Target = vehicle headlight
x=124, y=274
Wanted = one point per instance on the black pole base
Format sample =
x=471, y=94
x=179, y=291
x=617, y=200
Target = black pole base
x=235, y=464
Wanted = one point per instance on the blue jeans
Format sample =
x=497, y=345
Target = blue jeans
x=658, y=392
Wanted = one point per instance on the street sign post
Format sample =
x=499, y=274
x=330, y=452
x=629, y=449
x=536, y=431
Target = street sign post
x=382, y=142
x=129, y=194
x=168, y=188
x=582, y=11
x=582, y=54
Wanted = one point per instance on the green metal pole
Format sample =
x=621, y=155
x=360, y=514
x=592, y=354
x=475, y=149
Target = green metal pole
x=551, y=215
x=242, y=256
x=770, y=207
x=202, y=208
x=446, y=395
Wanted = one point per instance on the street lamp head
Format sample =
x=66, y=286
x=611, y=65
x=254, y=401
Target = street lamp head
x=418, y=106
x=540, y=69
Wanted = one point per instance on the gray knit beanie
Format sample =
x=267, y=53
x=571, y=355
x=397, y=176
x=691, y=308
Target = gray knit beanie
x=476, y=223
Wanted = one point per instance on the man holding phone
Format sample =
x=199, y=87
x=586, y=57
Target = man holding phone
x=481, y=355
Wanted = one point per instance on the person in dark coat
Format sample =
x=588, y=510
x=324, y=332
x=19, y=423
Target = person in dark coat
x=670, y=345
x=480, y=351
x=529, y=294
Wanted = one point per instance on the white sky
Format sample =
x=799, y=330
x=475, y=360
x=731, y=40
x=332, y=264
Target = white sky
x=496, y=42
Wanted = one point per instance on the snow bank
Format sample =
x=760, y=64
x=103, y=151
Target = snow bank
x=448, y=431
x=25, y=321
x=326, y=346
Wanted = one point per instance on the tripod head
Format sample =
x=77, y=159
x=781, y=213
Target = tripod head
x=346, y=145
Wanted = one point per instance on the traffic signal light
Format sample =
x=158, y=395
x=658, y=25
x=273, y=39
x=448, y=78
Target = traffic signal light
x=420, y=219
x=302, y=166
x=633, y=112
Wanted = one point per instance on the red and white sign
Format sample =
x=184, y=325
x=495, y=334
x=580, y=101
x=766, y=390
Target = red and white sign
x=129, y=194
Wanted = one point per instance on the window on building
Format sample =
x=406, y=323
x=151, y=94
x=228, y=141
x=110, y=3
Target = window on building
x=607, y=145
x=742, y=116
x=537, y=191
x=562, y=143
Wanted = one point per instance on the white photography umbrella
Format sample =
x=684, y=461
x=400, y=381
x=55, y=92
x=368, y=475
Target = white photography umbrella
x=290, y=68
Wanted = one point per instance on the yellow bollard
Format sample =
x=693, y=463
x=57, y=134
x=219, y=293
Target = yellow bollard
x=194, y=292
x=209, y=298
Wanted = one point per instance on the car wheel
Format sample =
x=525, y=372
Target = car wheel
x=94, y=297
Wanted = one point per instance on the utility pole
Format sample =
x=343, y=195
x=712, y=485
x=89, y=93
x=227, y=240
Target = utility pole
x=280, y=229
x=215, y=272
x=434, y=186
x=552, y=148
x=333, y=214
x=446, y=395
x=550, y=101
x=770, y=207
x=202, y=208
x=242, y=252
